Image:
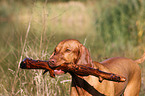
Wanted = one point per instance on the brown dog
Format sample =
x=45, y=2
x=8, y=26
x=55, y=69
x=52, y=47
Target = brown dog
x=72, y=51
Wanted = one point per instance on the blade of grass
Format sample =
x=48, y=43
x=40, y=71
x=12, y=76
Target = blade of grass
x=22, y=52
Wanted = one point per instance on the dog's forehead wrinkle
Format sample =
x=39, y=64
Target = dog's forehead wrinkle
x=68, y=44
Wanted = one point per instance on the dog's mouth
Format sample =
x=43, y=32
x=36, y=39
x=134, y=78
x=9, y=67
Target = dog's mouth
x=58, y=72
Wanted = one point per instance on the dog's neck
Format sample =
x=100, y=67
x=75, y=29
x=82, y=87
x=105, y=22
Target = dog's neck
x=80, y=86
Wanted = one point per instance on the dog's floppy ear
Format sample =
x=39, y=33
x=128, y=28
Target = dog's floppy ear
x=84, y=56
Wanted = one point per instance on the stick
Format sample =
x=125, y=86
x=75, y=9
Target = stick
x=28, y=63
x=81, y=70
x=85, y=71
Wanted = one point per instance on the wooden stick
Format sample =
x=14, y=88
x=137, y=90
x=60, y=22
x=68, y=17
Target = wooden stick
x=81, y=70
x=28, y=63
x=85, y=71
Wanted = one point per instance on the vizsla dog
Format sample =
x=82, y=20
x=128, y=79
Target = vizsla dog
x=72, y=51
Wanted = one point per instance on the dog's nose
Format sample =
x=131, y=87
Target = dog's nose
x=52, y=62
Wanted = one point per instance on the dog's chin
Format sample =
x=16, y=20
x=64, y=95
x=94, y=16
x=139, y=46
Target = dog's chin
x=58, y=72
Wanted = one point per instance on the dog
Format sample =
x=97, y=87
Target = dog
x=72, y=51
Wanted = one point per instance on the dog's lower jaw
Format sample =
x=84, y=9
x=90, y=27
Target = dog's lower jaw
x=58, y=72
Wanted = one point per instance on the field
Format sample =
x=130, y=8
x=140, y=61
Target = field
x=108, y=28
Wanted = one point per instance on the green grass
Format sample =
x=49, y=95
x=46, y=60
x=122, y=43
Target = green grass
x=107, y=28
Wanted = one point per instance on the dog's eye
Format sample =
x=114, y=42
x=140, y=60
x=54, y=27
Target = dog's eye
x=67, y=50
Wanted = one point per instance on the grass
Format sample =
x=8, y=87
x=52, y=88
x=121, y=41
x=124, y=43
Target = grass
x=106, y=28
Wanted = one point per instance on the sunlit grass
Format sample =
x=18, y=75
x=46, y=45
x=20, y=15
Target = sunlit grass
x=107, y=28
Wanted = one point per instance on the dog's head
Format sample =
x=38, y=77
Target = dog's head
x=69, y=51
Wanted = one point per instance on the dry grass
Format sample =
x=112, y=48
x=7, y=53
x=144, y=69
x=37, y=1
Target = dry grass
x=52, y=22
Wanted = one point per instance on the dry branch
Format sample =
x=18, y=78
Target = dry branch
x=85, y=71
x=28, y=63
x=81, y=70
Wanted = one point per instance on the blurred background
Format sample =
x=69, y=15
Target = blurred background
x=32, y=28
